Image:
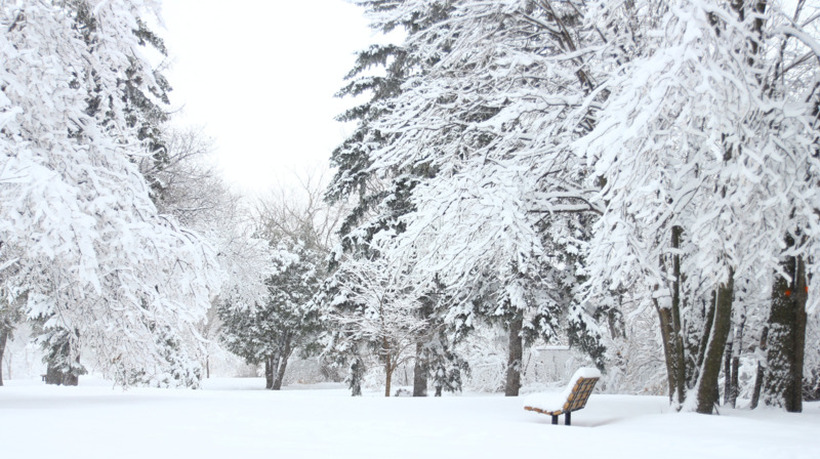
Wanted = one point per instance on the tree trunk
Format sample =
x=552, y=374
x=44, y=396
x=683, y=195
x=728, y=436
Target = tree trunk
x=734, y=388
x=281, y=365
x=388, y=375
x=516, y=353
x=673, y=353
x=420, y=373
x=706, y=335
x=783, y=384
x=4, y=335
x=279, y=375
x=680, y=354
x=761, y=372
x=733, y=376
x=667, y=340
x=727, y=369
x=707, y=387
x=61, y=369
x=671, y=330
x=356, y=374
x=268, y=372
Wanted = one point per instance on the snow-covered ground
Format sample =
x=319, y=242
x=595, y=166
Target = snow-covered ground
x=233, y=418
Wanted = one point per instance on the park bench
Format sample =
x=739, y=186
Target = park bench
x=573, y=398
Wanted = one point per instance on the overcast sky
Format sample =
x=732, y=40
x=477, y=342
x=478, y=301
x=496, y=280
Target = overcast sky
x=259, y=76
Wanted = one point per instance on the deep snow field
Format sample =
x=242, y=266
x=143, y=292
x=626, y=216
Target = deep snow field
x=236, y=419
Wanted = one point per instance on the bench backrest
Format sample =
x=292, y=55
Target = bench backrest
x=580, y=394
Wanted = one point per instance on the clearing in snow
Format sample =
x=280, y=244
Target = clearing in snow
x=235, y=418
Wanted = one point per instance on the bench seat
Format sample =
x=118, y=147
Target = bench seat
x=573, y=398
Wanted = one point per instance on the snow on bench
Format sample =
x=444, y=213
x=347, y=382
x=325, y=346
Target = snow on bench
x=573, y=398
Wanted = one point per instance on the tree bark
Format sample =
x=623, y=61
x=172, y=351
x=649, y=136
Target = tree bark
x=4, y=335
x=734, y=388
x=727, y=369
x=388, y=375
x=281, y=365
x=269, y=373
x=60, y=369
x=516, y=353
x=678, y=349
x=420, y=373
x=356, y=374
x=709, y=316
x=733, y=376
x=761, y=371
x=667, y=339
x=671, y=329
x=783, y=384
x=707, y=388
x=279, y=376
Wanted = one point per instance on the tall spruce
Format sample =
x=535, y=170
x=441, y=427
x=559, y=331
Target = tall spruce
x=380, y=199
x=506, y=203
x=286, y=321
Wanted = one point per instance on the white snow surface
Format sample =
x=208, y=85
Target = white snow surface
x=235, y=418
x=585, y=372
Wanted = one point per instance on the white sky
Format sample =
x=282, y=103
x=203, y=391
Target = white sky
x=259, y=76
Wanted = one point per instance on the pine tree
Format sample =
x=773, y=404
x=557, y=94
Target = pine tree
x=62, y=358
x=505, y=196
x=381, y=199
x=287, y=320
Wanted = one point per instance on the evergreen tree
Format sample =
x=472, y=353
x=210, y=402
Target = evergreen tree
x=380, y=199
x=287, y=320
x=505, y=196
x=62, y=358
x=572, y=162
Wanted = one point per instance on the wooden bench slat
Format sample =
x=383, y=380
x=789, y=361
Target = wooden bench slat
x=582, y=384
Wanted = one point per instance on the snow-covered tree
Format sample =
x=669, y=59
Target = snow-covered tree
x=89, y=250
x=437, y=360
x=10, y=317
x=298, y=228
x=699, y=143
x=498, y=212
x=186, y=185
x=269, y=332
x=588, y=162
x=373, y=309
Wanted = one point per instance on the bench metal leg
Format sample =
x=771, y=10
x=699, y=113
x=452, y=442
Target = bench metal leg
x=567, y=418
x=555, y=419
